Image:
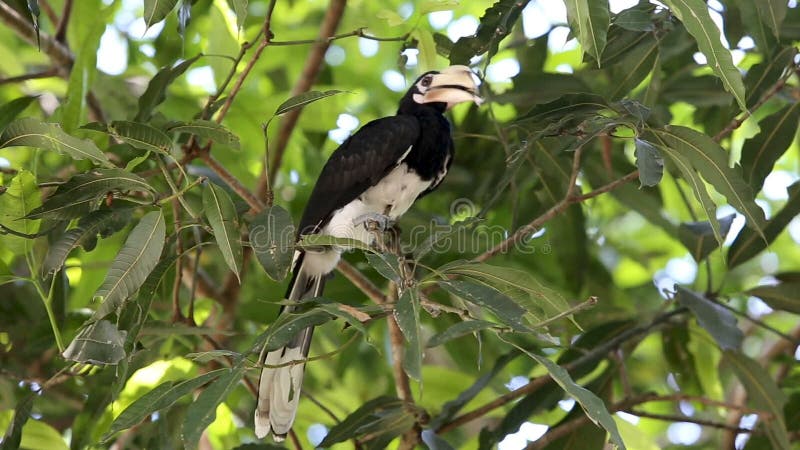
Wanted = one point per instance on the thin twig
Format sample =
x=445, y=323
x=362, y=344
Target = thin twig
x=738, y=121
x=231, y=181
x=61, y=29
x=526, y=230
x=266, y=36
x=307, y=77
x=51, y=72
x=359, y=32
x=361, y=282
x=60, y=54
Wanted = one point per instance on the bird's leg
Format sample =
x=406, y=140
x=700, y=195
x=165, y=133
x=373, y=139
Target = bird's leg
x=374, y=222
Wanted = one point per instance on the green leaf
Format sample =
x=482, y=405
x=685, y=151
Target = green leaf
x=458, y=330
x=85, y=40
x=427, y=49
x=156, y=10
x=159, y=398
x=406, y=314
x=718, y=321
x=496, y=23
x=506, y=310
x=761, y=77
x=649, y=162
x=698, y=237
x=761, y=152
x=299, y=101
x=209, y=130
x=310, y=241
x=21, y=197
x=634, y=67
x=203, y=410
x=13, y=436
x=434, y=442
x=272, y=235
x=748, y=243
x=772, y=12
x=12, y=109
x=589, y=20
x=30, y=132
x=711, y=161
x=141, y=136
x=569, y=106
x=156, y=90
x=636, y=18
x=392, y=18
x=697, y=20
x=103, y=222
x=286, y=326
x=134, y=262
x=764, y=394
x=372, y=417
x=77, y=196
x=222, y=217
x=783, y=296
x=98, y=343
x=385, y=264
x=594, y=407
x=757, y=28
x=429, y=6
x=240, y=8
x=540, y=301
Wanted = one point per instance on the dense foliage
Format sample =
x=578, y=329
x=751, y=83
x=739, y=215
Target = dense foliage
x=618, y=227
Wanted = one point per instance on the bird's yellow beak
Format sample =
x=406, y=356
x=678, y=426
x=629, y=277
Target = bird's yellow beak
x=453, y=85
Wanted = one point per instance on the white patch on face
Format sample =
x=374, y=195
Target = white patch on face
x=418, y=98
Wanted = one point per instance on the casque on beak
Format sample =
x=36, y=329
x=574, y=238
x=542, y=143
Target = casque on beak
x=453, y=85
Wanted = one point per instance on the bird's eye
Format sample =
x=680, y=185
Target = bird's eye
x=426, y=81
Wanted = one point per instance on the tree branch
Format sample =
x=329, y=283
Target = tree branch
x=61, y=29
x=309, y=74
x=59, y=53
x=526, y=230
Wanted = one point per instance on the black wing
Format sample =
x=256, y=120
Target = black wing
x=359, y=163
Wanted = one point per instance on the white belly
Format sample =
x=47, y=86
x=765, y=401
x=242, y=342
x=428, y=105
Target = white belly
x=392, y=197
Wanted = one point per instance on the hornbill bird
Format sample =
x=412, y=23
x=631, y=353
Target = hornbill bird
x=374, y=176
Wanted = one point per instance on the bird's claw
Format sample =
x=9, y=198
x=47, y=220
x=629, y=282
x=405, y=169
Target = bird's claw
x=374, y=222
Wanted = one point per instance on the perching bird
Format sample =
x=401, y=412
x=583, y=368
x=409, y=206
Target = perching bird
x=374, y=176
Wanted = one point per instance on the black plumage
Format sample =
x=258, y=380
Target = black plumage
x=378, y=172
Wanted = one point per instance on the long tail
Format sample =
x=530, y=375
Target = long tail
x=279, y=388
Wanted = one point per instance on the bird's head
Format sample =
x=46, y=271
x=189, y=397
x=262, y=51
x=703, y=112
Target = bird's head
x=445, y=88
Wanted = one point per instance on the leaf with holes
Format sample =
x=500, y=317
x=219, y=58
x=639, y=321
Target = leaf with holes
x=203, y=410
x=718, y=321
x=98, y=343
x=141, y=136
x=30, y=132
x=221, y=214
x=697, y=20
x=698, y=237
x=208, y=129
x=134, y=262
x=589, y=20
x=406, y=314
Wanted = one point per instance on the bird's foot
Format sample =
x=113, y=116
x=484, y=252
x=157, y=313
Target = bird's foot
x=374, y=222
